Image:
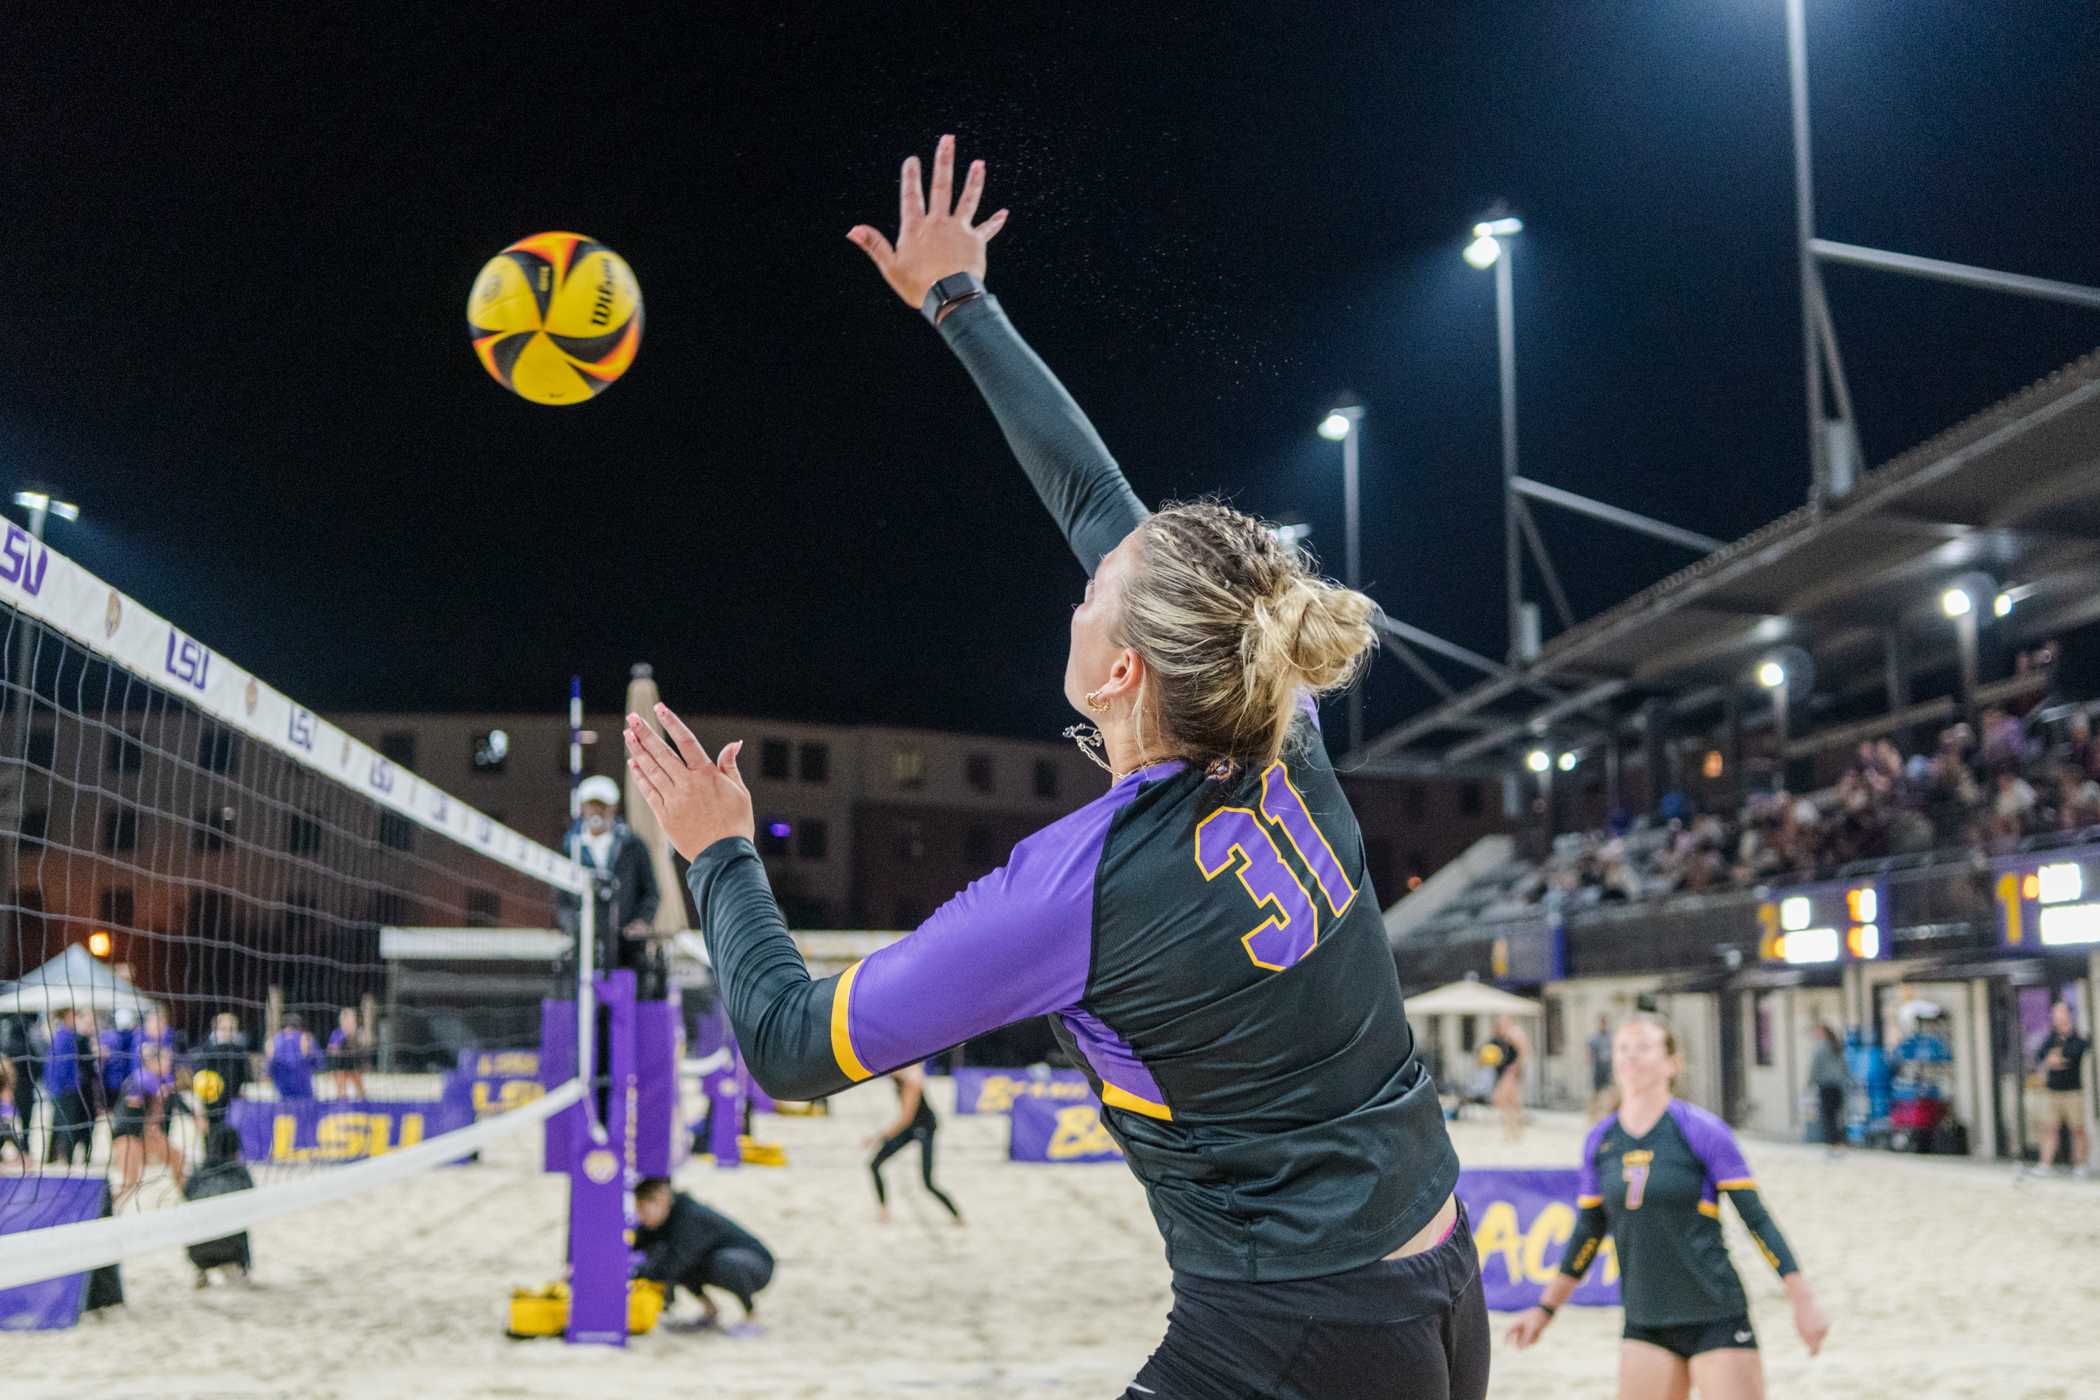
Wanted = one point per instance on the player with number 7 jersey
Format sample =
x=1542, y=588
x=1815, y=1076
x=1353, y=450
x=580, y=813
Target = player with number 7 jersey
x=1203, y=936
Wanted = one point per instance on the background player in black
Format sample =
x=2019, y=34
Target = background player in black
x=1504, y=1053
x=1652, y=1177
x=914, y=1123
x=2061, y=1059
x=1203, y=934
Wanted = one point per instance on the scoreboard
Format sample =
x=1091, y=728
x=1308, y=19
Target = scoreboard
x=1834, y=921
x=2049, y=899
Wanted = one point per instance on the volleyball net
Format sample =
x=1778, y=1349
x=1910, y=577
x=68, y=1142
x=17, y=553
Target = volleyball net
x=199, y=879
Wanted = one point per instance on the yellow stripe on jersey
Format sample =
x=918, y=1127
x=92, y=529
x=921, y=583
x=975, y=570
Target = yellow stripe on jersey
x=1712, y=1208
x=1739, y=1183
x=842, y=1030
x=1585, y=1202
x=1129, y=1102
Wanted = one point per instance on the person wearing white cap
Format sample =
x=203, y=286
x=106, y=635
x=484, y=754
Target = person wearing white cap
x=626, y=887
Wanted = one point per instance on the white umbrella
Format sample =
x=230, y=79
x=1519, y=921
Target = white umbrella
x=1470, y=999
x=73, y=980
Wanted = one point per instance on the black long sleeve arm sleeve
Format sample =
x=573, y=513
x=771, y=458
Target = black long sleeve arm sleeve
x=781, y=1014
x=1764, y=1231
x=1591, y=1227
x=1064, y=457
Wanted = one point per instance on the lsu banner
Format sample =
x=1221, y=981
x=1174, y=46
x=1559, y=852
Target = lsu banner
x=31, y=1203
x=495, y=1081
x=997, y=1090
x=1051, y=1130
x=339, y=1130
x=1521, y=1222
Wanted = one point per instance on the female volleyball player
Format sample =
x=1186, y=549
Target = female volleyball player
x=1509, y=1047
x=138, y=1124
x=915, y=1123
x=1653, y=1174
x=1203, y=934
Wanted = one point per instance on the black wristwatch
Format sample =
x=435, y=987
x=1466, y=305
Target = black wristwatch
x=948, y=292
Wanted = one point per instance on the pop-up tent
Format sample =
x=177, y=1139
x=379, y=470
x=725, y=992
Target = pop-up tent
x=77, y=980
x=1470, y=999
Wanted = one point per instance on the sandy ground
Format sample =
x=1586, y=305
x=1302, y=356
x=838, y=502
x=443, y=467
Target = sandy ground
x=1942, y=1280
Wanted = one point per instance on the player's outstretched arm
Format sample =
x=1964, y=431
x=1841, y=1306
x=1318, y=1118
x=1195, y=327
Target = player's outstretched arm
x=1064, y=457
x=1011, y=946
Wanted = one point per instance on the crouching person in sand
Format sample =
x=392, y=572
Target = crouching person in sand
x=686, y=1245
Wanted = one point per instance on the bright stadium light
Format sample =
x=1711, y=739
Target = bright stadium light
x=1955, y=602
x=1334, y=427
x=99, y=943
x=1498, y=228
x=2002, y=605
x=1483, y=251
x=1568, y=762
x=42, y=501
x=1538, y=760
x=1771, y=675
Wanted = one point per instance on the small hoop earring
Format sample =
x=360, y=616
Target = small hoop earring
x=1095, y=703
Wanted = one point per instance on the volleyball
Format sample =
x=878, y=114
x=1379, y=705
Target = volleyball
x=556, y=317
x=1491, y=1055
x=208, y=1085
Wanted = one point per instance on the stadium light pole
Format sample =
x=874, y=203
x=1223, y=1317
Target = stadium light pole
x=1344, y=424
x=1489, y=249
x=1773, y=677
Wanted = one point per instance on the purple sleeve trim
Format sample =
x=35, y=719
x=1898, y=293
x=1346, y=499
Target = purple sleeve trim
x=1713, y=1144
x=1114, y=1062
x=1015, y=944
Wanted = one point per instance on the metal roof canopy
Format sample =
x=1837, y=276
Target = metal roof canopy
x=2013, y=492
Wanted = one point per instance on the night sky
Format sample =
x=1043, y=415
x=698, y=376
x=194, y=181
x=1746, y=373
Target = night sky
x=238, y=255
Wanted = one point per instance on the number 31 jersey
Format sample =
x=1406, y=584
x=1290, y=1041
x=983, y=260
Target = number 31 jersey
x=1241, y=1019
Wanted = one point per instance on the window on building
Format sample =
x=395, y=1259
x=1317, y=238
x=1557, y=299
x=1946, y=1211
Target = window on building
x=214, y=827
x=215, y=749
x=1556, y=1033
x=980, y=852
x=773, y=756
x=396, y=832
x=302, y=835
x=1468, y=1033
x=124, y=754
x=1417, y=802
x=117, y=906
x=908, y=767
x=120, y=830
x=774, y=834
x=977, y=771
x=816, y=763
x=491, y=750
x=34, y=826
x=398, y=747
x=484, y=907
x=1761, y=1012
x=41, y=751
x=1045, y=778
x=814, y=840
x=908, y=842
x=1469, y=800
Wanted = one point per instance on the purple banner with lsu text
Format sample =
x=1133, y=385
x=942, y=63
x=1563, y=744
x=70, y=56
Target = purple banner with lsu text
x=31, y=1203
x=495, y=1081
x=1521, y=1222
x=1051, y=1130
x=995, y=1090
x=340, y=1130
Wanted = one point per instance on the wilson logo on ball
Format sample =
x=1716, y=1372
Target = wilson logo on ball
x=556, y=317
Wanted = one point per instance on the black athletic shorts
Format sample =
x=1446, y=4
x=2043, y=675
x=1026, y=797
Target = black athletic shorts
x=1688, y=1339
x=1398, y=1329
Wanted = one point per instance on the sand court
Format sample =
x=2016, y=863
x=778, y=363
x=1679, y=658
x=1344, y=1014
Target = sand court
x=1941, y=1279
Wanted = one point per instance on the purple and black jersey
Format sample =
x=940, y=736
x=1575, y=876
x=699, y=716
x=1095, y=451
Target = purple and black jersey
x=1210, y=952
x=1659, y=1198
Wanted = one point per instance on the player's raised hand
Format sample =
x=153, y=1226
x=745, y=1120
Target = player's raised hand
x=698, y=800
x=937, y=235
